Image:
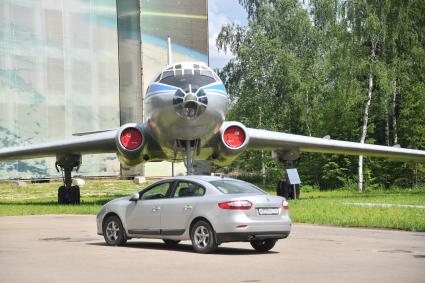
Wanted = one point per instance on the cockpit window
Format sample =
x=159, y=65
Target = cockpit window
x=157, y=78
x=182, y=76
x=167, y=74
x=183, y=82
x=207, y=73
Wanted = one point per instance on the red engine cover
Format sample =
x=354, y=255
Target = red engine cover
x=131, y=138
x=234, y=136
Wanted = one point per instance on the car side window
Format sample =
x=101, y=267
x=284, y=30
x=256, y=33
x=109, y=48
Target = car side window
x=188, y=189
x=157, y=192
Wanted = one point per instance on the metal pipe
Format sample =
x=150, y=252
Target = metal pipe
x=189, y=161
x=169, y=55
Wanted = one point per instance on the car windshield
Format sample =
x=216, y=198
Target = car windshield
x=236, y=187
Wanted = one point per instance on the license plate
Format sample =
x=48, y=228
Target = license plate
x=268, y=211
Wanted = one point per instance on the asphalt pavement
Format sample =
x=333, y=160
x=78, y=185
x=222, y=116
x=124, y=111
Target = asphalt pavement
x=62, y=248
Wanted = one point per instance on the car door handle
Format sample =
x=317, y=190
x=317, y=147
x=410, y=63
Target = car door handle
x=188, y=207
x=156, y=208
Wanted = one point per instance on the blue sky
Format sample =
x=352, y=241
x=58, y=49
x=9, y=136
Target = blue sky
x=222, y=12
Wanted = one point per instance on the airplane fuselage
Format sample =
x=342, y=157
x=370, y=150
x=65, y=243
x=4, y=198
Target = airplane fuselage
x=186, y=102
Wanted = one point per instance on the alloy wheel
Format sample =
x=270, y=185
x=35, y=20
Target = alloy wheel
x=202, y=237
x=112, y=231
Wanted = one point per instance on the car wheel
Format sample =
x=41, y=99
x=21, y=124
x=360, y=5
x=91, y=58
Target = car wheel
x=171, y=243
x=202, y=236
x=113, y=232
x=263, y=245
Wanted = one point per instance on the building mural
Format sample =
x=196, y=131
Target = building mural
x=59, y=70
x=58, y=76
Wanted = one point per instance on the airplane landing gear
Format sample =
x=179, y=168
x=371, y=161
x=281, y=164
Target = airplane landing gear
x=288, y=188
x=189, y=150
x=68, y=194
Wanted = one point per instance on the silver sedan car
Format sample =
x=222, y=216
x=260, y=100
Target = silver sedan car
x=204, y=209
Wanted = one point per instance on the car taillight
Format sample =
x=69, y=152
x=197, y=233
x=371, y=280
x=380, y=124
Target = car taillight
x=285, y=208
x=236, y=204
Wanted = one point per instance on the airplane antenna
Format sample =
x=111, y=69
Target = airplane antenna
x=169, y=58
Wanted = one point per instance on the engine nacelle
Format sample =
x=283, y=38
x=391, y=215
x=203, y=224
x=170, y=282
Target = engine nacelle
x=233, y=140
x=130, y=141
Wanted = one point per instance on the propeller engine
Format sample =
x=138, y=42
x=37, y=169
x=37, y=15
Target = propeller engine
x=130, y=141
x=233, y=139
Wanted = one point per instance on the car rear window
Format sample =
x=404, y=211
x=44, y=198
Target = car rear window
x=236, y=187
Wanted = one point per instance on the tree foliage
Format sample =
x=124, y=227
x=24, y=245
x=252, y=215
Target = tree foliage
x=304, y=67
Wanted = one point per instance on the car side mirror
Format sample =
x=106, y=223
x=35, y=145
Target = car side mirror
x=135, y=197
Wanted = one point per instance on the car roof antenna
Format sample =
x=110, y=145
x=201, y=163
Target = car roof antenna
x=169, y=56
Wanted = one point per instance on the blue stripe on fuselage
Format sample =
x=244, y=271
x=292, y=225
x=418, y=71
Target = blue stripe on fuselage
x=158, y=88
x=219, y=87
x=214, y=88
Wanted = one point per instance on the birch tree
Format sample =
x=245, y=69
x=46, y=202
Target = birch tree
x=351, y=69
x=374, y=42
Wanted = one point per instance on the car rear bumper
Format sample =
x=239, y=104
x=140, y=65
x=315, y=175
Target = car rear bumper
x=250, y=236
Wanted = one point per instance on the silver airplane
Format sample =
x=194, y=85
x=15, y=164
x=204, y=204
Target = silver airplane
x=185, y=110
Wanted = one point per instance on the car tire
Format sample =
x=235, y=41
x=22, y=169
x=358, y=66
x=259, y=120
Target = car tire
x=203, y=237
x=171, y=243
x=113, y=232
x=263, y=245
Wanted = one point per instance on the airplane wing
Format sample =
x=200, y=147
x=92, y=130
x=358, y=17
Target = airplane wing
x=102, y=142
x=263, y=139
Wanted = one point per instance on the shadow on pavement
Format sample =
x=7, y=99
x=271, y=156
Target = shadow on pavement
x=187, y=248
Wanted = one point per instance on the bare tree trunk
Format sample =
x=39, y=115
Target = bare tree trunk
x=308, y=115
x=393, y=111
x=387, y=121
x=415, y=183
x=263, y=168
x=361, y=181
x=263, y=165
x=360, y=185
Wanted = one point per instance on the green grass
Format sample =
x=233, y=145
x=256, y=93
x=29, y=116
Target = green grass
x=318, y=207
x=330, y=207
x=36, y=199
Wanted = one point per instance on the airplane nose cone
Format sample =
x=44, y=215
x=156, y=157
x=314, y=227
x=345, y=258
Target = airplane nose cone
x=190, y=97
x=190, y=105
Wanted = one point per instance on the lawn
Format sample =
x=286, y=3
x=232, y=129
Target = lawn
x=331, y=207
x=318, y=207
x=36, y=199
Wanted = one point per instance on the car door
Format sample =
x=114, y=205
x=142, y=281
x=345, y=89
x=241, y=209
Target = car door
x=176, y=211
x=144, y=216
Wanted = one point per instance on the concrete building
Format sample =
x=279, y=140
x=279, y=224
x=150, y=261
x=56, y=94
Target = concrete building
x=72, y=66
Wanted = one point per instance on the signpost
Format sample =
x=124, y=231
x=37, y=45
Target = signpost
x=293, y=179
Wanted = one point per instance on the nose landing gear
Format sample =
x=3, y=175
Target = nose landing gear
x=189, y=150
